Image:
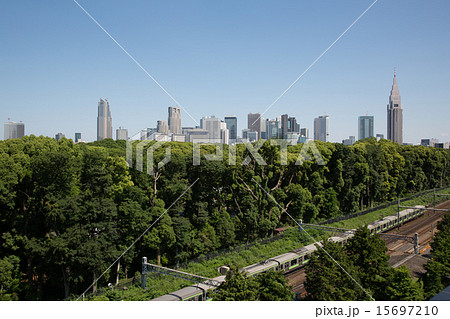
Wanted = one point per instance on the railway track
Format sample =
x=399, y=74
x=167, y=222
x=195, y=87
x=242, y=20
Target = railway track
x=424, y=226
x=420, y=225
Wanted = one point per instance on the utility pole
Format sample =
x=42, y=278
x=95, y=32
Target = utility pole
x=398, y=213
x=416, y=244
x=144, y=273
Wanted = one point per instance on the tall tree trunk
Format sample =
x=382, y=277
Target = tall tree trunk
x=158, y=256
x=66, y=283
x=117, y=273
x=94, y=287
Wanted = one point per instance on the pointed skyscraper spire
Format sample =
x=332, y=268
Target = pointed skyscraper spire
x=395, y=114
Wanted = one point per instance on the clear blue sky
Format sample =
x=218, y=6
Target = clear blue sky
x=221, y=58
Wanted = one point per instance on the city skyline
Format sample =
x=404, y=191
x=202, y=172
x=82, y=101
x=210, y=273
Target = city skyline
x=67, y=55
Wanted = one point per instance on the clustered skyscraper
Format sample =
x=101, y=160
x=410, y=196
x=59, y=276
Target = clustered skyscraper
x=104, y=120
x=395, y=114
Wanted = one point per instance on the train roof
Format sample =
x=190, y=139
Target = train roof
x=260, y=266
x=188, y=292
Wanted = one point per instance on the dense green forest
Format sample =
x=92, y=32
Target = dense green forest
x=69, y=210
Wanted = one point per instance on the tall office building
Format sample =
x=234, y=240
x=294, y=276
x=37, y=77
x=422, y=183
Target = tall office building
x=304, y=132
x=121, y=134
x=174, y=120
x=292, y=126
x=162, y=127
x=284, y=125
x=321, y=128
x=104, y=120
x=59, y=136
x=77, y=137
x=214, y=127
x=254, y=123
x=273, y=128
x=13, y=130
x=395, y=115
x=365, y=127
x=231, y=122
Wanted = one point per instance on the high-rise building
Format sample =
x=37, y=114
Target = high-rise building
x=162, y=127
x=254, y=123
x=349, y=141
x=304, y=132
x=365, y=127
x=121, y=134
x=292, y=126
x=321, y=128
x=59, y=136
x=13, y=130
x=224, y=133
x=231, y=122
x=104, y=120
x=395, y=115
x=284, y=125
x=217, y=129
x=272, y=129
x=77, y=137
x=429, y=141
x=174, y=120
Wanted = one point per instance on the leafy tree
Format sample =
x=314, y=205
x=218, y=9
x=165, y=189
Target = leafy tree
x=438, y=268
x=273, y=287
x=368, y=254
x=401, y=287
x=325, y=280
x=267, y=286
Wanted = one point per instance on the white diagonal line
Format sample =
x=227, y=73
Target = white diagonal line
x=316, y=60
x=285, y=211
x=137, y=239
x=134, y=60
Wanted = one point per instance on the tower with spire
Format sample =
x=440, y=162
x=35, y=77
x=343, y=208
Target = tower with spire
x=395, y=114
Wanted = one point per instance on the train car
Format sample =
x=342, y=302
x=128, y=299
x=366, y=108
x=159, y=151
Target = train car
x=198, y=292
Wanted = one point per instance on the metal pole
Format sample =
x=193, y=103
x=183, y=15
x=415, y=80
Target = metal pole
x=144, y=273
x=398, y=213
x=434, y=198
x=416, y=244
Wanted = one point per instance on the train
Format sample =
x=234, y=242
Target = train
x=292, y=260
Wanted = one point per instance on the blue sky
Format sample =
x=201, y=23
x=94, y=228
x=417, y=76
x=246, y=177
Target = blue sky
x=221, y=58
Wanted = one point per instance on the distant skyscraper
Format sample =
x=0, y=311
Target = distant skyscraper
x=349, y=141
x=254, y=123
x=273, y=128
x=215, y=128
x=231, y=122
x=174, y=120
x=365, y=127
x=121, y=134
x=395, y=115
x=59, y=136
x=321, y=128
x=104, y=120
x=77, y=137
x=162, y=127
x=284, y=125
x=304, y=132
x=13, y=130
x=292, y=126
